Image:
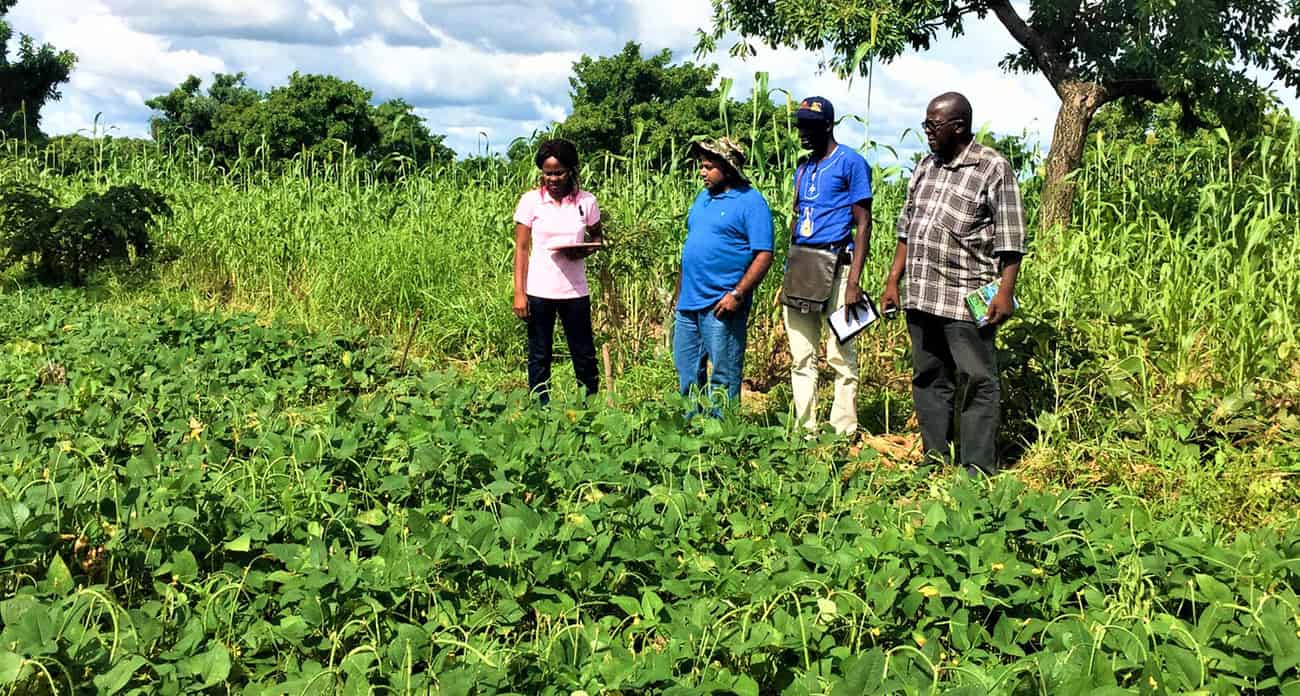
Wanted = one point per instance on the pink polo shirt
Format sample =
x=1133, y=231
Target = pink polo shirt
x=551, y=274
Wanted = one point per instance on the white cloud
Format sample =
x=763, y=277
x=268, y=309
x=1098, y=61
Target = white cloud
x=116, y=65
x=499, y=68
x=658, y=24
x=1001, y=102
x=459, y=72
x=343, y=22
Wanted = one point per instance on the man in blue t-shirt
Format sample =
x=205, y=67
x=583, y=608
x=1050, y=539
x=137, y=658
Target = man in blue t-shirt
x=727, y=252
x=832, y=210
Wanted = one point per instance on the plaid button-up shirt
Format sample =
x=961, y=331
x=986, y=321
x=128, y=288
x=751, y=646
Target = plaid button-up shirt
x=958, y=216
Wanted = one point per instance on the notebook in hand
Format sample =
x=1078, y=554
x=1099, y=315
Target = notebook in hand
x=575, y=245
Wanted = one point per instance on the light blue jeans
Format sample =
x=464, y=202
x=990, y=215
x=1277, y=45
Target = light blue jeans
x=701, y=339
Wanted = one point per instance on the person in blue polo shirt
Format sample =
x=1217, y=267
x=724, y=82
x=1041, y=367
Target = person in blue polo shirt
x=727, y=252
x=832, y=211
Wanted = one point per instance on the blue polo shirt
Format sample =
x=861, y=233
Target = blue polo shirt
x=827, y=190
x=723, y=233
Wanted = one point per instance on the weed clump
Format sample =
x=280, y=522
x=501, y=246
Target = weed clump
x=63, y=246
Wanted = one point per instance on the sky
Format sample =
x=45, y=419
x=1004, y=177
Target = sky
x=484, y=73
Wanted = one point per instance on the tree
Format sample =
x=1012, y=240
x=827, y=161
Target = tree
x=186, y=112
x=402, y=132
x=305, y=114
x=625, y=102
x=309, y=112
x=29, y=82
x=1192, y=52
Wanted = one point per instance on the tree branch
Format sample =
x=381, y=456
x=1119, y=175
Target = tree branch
x=1043, y=53
x=1145, y=88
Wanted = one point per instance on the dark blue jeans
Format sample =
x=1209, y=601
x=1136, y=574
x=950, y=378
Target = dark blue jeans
x=700, y=339
x=954, y=368
x=575, y=317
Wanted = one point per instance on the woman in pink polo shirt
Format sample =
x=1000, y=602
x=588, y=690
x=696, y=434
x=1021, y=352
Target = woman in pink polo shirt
x=550, y=275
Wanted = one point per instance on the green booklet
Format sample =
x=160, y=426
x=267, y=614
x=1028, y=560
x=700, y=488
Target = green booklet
x=978, y=302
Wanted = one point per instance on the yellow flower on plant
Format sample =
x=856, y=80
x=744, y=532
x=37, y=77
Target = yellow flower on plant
x=196, y=429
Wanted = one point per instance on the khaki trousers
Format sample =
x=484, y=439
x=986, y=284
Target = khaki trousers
x=805, y=332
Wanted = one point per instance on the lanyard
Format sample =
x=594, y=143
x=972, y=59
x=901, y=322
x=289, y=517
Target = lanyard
x=798, y=184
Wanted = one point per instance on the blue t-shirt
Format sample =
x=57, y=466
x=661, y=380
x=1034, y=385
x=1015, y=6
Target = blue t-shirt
x=723, y=233
x=827, y=190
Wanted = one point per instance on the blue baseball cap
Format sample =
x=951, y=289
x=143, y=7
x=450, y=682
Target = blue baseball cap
x=816, y=109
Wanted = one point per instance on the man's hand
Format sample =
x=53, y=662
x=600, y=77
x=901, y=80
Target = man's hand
x=852, y=295
x=726, y=305
x=1001, y=308
x=889, y=298
x=521, y=305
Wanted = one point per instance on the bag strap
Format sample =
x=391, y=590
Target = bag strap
x=798, y=184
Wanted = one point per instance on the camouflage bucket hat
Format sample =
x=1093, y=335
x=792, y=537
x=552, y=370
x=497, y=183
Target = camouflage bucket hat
x=729, y=150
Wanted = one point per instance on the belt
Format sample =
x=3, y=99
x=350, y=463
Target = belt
x=840, y=247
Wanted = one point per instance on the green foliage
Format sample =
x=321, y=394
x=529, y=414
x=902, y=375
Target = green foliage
x=27, y=214
x=186, y=112
x=65, y=245
x=192, y=501
x=1191, y=50
x=28, y=82
x=310, y=113
x=625, y=104
x=318, y=114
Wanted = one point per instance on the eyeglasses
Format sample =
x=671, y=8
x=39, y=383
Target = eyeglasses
x=931, y=126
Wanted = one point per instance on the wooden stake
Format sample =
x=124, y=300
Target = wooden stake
x=415, y=326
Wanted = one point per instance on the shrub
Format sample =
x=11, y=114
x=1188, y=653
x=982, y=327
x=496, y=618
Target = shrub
x=65, y=245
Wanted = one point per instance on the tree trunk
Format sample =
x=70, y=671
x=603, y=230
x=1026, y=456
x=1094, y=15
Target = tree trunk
x=1079, y=102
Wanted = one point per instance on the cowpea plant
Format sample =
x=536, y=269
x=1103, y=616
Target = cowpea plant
x=190, y=502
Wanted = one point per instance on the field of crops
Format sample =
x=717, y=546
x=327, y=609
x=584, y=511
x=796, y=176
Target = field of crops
x=191, y=501
x=214, y=475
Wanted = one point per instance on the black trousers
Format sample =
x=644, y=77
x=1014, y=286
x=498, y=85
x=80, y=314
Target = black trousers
x=954, y=368
x=575, y=318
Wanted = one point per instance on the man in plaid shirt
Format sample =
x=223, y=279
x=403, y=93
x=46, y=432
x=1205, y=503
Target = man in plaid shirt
x=963, y=227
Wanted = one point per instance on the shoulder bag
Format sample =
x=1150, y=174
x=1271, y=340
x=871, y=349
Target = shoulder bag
x=809, y=270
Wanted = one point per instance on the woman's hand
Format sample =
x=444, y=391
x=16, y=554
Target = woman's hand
x=521, y=306
x=579, y=253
